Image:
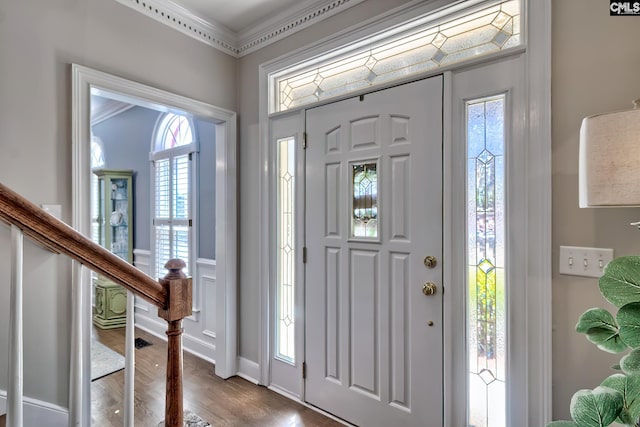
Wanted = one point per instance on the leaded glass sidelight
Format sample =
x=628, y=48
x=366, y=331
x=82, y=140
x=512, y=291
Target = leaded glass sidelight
x=364, y=212
x=285, y=232
x=486, y=310
x=424, y=47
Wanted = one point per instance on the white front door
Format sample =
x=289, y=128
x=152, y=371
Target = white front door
x=373, y=338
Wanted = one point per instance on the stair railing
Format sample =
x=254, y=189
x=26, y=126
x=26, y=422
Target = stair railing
x=172, y=295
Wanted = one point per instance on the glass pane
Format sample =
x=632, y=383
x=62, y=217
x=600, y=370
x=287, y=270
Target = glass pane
x=364, y=222
x=432, y=45
x=177, y=132
x=486, y=303
x=181, y=187
x=285, y=215
x=95, y=209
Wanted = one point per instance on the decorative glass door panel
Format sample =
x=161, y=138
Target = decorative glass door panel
x=364, y=178
x=486, y=309
x=285, y=234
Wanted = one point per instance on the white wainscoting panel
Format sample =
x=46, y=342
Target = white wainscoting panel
x=207, y=280
x=199, y=335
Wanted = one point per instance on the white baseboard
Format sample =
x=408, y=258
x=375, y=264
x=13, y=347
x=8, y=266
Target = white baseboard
x=39, y=413
x=248, y=370
x=199, y=348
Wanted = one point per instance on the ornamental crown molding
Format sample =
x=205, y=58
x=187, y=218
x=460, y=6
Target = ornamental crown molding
x=241, y=43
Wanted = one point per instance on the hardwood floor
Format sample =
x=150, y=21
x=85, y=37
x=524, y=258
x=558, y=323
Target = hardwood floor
x=223, y=403
x=2, y=420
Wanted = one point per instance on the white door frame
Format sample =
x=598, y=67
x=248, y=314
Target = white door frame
x=536, y=407
x=83, y=79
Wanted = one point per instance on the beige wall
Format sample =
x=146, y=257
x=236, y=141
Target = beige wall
x=250, y=163
x=595, y=69
x=38, y=42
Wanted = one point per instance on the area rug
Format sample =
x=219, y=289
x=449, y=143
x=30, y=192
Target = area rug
x=190, y=420
x=104, y=361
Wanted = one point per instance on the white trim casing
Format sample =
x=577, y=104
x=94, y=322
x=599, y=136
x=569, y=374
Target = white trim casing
x=226, y=249
x=85, y=79
x=538, y=80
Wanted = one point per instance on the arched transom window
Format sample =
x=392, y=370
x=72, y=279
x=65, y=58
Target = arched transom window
x=176, y=132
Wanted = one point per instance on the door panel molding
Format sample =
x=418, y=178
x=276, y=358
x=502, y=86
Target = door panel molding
x=373, y=304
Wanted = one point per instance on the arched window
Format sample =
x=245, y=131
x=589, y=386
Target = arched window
x=172, y=157
x=176, y=132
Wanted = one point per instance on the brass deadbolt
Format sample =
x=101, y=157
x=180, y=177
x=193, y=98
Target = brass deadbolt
x=430, y=261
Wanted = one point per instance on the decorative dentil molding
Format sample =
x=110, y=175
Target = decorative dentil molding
x=285, y=23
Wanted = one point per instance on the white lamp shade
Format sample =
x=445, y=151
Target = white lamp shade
x=610, y=160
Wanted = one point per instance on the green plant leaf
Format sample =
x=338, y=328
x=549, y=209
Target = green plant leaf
x=629, y=321
x=629, y=387
x=620, y=284
x=562, y=424
x=607, y=340
x=596, y=318
x=630, y=363
x=596, y=408
x=601, y=329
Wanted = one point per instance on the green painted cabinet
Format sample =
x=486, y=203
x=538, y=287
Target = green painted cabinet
x=115, y=223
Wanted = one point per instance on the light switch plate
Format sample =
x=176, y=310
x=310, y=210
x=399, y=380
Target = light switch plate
x=579, y=261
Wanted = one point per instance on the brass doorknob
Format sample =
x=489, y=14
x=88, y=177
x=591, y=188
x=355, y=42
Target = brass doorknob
x=430, y=261
x=429, y=288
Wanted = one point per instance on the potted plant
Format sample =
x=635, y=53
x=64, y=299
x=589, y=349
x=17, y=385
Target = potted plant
x=617, y=399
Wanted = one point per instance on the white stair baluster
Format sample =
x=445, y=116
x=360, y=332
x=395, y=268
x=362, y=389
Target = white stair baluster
x=14, y=395
x=80, y=366
x=130, y=359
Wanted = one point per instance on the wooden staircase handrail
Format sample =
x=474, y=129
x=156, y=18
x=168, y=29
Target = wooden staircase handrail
x=58, y=237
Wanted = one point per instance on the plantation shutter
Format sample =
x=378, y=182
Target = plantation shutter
x=172, y=214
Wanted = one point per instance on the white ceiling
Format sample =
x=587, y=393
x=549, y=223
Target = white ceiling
x=237, y=15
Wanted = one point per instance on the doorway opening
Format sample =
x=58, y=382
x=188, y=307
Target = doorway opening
x=214, y=273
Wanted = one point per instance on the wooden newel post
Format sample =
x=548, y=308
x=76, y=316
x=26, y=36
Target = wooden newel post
x=178, y=288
